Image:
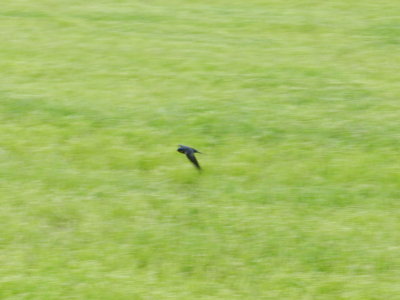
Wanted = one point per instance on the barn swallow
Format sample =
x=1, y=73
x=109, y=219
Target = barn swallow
x=190, y=154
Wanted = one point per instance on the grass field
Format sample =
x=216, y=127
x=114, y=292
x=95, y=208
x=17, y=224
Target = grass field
x=295, y=105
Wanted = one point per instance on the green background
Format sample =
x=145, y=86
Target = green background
x=295, y=105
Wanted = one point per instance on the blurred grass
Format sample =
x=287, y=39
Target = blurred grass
x=295, y=105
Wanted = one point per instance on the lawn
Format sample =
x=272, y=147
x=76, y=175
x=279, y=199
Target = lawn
x=295, y=105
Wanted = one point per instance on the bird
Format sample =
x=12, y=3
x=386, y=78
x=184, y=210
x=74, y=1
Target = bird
x=189, y=151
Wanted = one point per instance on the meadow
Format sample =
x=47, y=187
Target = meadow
x=295, y=105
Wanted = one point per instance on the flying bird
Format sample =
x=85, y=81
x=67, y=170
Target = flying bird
x=190, y=154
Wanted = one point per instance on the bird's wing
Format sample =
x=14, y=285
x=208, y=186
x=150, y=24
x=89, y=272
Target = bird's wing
x=193, y=159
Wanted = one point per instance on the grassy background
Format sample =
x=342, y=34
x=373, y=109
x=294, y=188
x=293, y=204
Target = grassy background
x=294, y=103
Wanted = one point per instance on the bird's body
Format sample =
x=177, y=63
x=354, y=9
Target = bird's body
x=189, y=151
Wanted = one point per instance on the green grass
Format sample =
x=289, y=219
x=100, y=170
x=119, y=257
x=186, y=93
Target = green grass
x=294, y=103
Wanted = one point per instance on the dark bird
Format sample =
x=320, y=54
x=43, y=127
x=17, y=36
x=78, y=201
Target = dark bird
x=190, y=154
